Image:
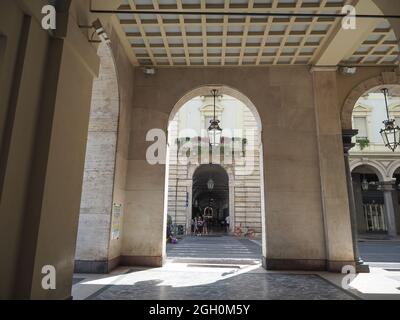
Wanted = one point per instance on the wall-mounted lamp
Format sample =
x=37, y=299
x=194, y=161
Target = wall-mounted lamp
x=348, y=71
x=98, y=27
x=149, y=71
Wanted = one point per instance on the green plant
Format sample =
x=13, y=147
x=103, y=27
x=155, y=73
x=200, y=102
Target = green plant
x=363, y=143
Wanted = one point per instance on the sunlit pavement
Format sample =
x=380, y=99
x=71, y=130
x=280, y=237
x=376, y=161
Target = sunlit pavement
x=233, y=277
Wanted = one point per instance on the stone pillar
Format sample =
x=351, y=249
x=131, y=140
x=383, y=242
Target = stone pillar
x=395, y=195
x=388, y=188
x=347, y=146
x=334, y=194
x=145, y=216
x=43, y=167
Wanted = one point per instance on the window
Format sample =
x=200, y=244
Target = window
x=360, y=124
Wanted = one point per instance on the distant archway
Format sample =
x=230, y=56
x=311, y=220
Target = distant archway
x=210, y=197
x=187, y=183
x=369, y=199
x=387, y=79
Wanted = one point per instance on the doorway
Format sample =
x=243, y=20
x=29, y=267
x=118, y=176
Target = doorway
x=210, y=201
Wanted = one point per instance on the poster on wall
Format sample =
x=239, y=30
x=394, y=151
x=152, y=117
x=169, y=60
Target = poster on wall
x=116, y=221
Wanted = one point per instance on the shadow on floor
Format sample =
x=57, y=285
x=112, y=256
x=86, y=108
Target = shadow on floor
x=247, y=286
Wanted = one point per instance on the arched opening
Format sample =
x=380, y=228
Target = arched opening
x=369, y=199
x=210, y=200
x=372, y=160
x=214, y=191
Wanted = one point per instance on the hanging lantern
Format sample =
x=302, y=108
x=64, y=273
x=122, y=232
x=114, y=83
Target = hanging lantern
x=214, y=131
x=365, y=185
x=391, y=133
x=210, y=184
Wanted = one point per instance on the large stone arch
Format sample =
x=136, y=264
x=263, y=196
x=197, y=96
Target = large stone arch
x=375, y=166
x=222, y=89
x=393, y=167
x=239, y=95
x=387, y=79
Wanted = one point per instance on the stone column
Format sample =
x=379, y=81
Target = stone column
x=395, y=195
x=334, y=195
x=388, y=188
x=46, y=154
x=347, y=146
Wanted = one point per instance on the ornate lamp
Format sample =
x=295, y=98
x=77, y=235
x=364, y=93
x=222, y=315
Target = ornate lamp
x=391, y=133
x=214, y=131
x=365, y=184
x=210, y=184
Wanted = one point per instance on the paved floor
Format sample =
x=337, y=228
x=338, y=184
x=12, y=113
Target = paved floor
x=228, y=268
x=196, y=282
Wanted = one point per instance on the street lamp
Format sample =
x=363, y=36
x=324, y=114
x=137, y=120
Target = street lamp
x=214, y=131
x=391, y=133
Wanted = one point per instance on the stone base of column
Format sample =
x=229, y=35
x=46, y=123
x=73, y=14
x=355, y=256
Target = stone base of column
x=294, y=264
x=312, y=265
x=337, y=266
x=142, y=261
x=361, y=267
x=96, y=267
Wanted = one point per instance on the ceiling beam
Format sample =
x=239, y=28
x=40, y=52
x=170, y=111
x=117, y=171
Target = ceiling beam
x=344, y=42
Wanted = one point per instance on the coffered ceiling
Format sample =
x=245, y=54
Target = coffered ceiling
x=236, y=40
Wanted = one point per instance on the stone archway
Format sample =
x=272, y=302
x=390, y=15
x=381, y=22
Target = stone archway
x=232, y=172
x=222, y=89
x=231, y=184
x=371, y=214
x=387, y=79
x=218, y=198
x=374, y=165
x=394, y=167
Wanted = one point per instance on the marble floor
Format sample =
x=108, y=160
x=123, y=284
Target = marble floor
x=217, y=268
